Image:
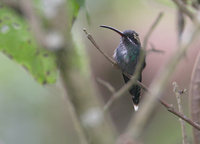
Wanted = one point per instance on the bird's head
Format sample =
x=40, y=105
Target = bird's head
x=127, y=36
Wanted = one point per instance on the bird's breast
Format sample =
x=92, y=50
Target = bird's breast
x=126, y=59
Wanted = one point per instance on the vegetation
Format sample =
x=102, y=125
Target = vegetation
x=60, y=102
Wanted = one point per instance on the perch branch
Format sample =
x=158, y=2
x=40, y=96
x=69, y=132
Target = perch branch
x=98, y=48
x=157, y=87
x=120, y=92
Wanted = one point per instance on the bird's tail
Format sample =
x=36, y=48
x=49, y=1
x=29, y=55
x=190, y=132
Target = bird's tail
x=134, y=91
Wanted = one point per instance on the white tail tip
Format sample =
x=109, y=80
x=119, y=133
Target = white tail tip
x=136, y=107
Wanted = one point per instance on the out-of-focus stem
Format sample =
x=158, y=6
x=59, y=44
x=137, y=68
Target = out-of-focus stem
x=178, y=98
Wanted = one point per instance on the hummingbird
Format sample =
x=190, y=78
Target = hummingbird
x=127, y=56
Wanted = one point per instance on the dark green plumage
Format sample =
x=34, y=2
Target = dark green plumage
x=127, y=56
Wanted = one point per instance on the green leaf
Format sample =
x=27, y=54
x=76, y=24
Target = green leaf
x=17, y=42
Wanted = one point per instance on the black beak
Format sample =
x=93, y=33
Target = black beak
x=111, y=28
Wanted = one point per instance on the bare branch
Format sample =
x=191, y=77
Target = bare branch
x=171, y=109
x=107, y=85
x=185, y=9
x=194, y=95
x=157, y=87
x=26, y=7
x=151, y=29
x=120, y=92
x=124, y=88
x=178, y=94
x=153, y=49
x=75, y=119
x=140, y=63
x=89, y=36
x=98, y=48
x=180, y=24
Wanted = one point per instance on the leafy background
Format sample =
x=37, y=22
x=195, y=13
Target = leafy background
x=17, y=42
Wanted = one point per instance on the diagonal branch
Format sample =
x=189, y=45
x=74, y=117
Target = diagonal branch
x=171, y=109
x=127, y=86
x=107, y=85
x=98, y=48
x=119, y=93
x=153, y=49
x=194, y=95
x=27, y=8
x=185, y=9
x=151, y=29
x=158, y=85
x=178, y=94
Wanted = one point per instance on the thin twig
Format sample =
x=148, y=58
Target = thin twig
x=142, y=56
x=180, y=24
x=138, y=68
x=107, y=85
x=151, y=29
x=194, y=95
x=124, y=88
x=76, y=122
x=178, y=98
x=26, y=7
x=185, y=9
x=98, y=48
x=171, y=109
x=120, y=92
x=157, y=87
x=153, y=49
x=89, y=36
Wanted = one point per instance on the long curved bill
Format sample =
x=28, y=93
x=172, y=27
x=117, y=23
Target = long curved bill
x=114, y=29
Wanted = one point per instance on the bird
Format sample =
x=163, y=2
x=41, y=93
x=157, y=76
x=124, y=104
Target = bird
x=127, y=56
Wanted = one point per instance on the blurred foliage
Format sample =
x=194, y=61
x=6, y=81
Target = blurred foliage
x=74, y=6
x=29, y=113
x=23, y=48
x=165, y=2
x=17, y=42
